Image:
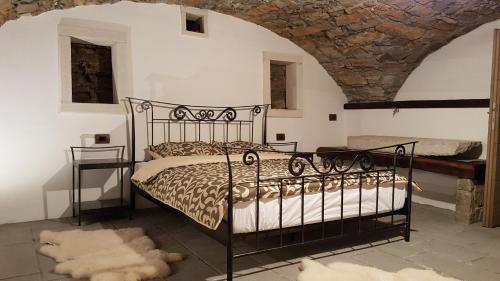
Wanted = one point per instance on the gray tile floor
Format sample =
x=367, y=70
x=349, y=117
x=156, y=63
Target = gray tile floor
x=467, y=252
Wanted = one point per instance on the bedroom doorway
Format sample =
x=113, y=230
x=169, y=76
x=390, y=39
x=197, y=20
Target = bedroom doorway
x=491, y=217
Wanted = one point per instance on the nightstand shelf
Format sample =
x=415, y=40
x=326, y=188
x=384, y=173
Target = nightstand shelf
x=103, y=205
x=98, y=206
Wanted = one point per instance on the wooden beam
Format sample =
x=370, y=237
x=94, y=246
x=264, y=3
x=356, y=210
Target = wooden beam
x=461, y=103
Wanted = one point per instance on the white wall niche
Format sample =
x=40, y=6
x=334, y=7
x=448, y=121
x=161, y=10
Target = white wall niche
x=197, y=15
x=294, y=67
x=98, y=33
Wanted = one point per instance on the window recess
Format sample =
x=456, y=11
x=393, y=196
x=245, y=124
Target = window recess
x=283, y=84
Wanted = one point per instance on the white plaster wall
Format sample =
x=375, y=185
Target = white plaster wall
x=225, y=69
x=459, y=70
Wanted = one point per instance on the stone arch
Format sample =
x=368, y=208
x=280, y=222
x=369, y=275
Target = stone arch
x=369, y=47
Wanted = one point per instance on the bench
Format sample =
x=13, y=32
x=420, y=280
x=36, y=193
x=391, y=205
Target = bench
x=469, y=174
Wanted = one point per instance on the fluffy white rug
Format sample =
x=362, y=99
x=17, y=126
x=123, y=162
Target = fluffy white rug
x=314, y=271
x=107, y=254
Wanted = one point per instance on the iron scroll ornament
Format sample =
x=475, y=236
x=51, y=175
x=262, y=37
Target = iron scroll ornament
x=182, y=112
x=400, y=151
x=256, y=110
x=297, y=165
x=143, y=106
x=250, y=156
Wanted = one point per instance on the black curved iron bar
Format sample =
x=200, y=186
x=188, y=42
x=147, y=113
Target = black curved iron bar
x=324, y=152
x=328, y=176
x=256, y=110
x=175, y=121
x=334, y=162
x=196, y=113
x=157, y=113
x=296, y=167
x=250, y=156
x=173, y=105
x=182, y=112
x=142, y=107
x=359, y=150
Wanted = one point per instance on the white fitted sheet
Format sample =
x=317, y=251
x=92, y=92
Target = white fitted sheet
x=244, y=219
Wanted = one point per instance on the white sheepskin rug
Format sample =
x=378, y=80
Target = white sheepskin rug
x=314, y=271
x=107, y=254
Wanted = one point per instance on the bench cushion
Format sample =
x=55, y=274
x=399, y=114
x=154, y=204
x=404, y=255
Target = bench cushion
x=425, y=146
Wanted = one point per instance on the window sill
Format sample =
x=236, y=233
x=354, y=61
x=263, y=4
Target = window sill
x=92, y=108
x=285, y=113
x=194, y=34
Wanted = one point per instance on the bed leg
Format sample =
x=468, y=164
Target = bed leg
x=409, y=189
x=132, y=201
x=229, y=246
x=229, y=268
x=408, y=223
x=229, y=242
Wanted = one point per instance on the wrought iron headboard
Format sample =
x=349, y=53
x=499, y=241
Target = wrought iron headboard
x=182, y=123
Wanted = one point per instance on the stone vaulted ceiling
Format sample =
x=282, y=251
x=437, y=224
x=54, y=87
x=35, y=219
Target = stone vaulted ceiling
x=368, y=46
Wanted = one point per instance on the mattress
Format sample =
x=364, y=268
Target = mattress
x=244, y=213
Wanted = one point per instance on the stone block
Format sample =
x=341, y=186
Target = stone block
x=362, y=25
x=349, y=19
x=465, y=184
x=318, y=27
x=26, y=8
x=421, y=11
x=464, y=209
x=424, y=2
x=444, y=26
x=479, y=195
x=402, y=4
x=350, y=78
x=5, y=5
x=363, y=38
x=469, y=201
x=401, y=30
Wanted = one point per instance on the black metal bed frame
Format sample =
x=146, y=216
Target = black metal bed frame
x=332, y=165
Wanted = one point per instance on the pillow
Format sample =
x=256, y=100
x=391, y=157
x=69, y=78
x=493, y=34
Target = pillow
x=183, y=149
x=244, y=144
x=211, y=149
x=150, y=155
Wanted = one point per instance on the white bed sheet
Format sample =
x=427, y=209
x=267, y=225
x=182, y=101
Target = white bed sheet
x=244, y=219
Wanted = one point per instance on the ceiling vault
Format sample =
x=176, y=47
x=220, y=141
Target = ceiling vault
x=369, y=47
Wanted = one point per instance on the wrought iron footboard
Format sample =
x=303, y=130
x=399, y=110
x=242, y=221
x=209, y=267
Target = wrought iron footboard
x=342, y=165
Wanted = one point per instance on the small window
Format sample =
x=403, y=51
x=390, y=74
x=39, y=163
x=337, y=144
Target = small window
x=283, y=84
x=91, y=73
x=278, y=85
x=194, y=21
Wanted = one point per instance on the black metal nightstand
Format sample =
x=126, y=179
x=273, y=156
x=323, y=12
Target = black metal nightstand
x=95, y=164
